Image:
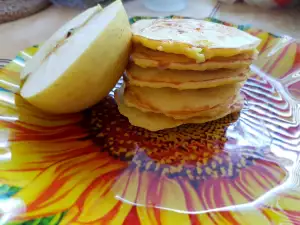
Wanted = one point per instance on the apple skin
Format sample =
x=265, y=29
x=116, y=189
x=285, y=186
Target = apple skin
x=93, y=74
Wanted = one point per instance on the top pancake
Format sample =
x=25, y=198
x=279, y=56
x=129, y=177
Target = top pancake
x=196, y=39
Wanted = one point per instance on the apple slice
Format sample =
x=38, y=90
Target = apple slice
x=80, y=63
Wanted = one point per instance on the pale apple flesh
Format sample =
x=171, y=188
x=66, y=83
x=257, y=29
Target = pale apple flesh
x=78, y=73
x=57, y=38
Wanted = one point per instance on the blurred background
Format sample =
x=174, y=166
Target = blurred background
x=27, y=22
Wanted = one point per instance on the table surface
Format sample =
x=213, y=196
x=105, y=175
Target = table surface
x=17, y=35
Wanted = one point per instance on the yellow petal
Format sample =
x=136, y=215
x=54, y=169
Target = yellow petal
x=274, y=55
x=250, y=216
x=96, y=169
x=286, y=199
x=264, y=37
x=215, y=196
x=274, y=174
x=104, y=206
x=64, y=181
x=28, y=52
x=128, y=198
x=260, y=178
x=243, y=213
x=284, y=62
x=70, y=215
x=232, y=195
x=206, y=193
x=146, y=212
x=195, y=205
x=172, y=197
x=264, y=57
x=97, y=208
x=276, y=216
x=28, y=159
x=114, y=205
x=10, y=77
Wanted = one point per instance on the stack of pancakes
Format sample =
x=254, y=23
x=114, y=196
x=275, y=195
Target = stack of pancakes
x=184, y=71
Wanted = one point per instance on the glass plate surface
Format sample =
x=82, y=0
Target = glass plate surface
x=95, y=168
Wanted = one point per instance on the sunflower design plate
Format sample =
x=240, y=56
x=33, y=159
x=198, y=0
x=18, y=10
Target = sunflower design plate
x=95, y=168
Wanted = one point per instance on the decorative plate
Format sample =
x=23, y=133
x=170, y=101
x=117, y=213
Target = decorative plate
x=95, y=168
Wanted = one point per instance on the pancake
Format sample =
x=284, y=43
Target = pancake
x=145, y=57
x=156, y=121
x=183, y=79
x=181, y=104
x=196, y=39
